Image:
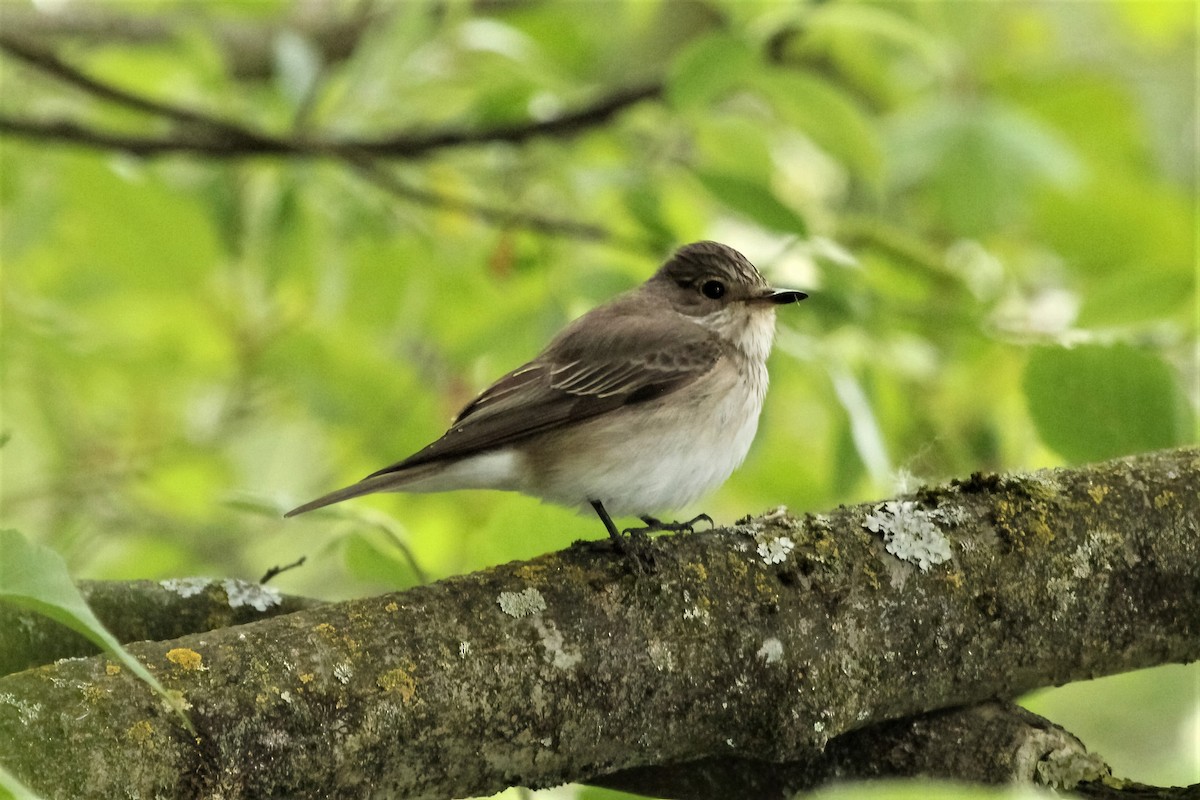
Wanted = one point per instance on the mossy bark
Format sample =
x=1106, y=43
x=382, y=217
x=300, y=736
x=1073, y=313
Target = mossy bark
x=761, y=641
x=136, y=611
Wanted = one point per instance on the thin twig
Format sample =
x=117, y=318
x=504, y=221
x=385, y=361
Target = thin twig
x=276, y=570
x=207, y=143
x=50, y=64
x=501, y=217
x=568, y=124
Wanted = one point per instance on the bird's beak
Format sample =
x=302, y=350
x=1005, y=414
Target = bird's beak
x=781, y=296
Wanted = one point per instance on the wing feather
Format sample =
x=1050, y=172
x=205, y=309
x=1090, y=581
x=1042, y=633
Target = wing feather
x=577, y=378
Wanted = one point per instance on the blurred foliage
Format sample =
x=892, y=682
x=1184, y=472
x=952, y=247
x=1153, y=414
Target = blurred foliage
x=991, y=204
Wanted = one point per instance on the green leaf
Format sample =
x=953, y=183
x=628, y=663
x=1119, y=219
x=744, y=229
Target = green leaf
x=1095, y=402
x=708, y=68
x=859, y=21
x=753, y=200
x=830, y=116
x=35, y=577
x=374, y=561
x=13, y=789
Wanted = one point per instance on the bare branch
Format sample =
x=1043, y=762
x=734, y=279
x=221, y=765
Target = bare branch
x=50, y=64
x=203, y=133
x=565, y=125
x=203, y=142
x=216, y=137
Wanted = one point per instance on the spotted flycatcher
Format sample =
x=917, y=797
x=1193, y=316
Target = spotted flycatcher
x=641, y=405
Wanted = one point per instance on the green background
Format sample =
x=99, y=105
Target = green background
x=993, y=206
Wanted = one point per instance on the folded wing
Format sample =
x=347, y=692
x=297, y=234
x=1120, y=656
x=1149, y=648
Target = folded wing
x=575, y=379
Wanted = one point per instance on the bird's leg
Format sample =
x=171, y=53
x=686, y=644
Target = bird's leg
x=637, y=545
x=608, y=523
x=654, y=524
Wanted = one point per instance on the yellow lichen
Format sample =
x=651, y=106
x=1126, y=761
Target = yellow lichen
x=1041, y=529
x=872, y=576
x=307, y=677
x=391, y=607
x=93, y=693
x=398, y=680
x=696, y=572
x=326, y=630
x=1098, y=493
x=530, y=573
x=112, y=669
x=826, y=548
x=185, y=658
x=1017, y=522
x=1164, y=498
x=140, y=732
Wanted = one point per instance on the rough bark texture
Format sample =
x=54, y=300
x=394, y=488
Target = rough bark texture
x=761, y=641
x=135, y=611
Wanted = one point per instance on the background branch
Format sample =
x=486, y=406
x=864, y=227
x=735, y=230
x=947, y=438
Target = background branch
x=216, y=137
x=206, y=134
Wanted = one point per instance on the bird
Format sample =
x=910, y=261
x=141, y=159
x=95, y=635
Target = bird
x=644, y=404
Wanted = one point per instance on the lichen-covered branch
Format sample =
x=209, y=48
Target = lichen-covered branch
x=761, y=641
x=139, y=610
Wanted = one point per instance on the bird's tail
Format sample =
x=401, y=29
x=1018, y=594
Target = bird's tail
x=391, y=481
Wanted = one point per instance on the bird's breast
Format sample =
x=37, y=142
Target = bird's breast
x=656, y=456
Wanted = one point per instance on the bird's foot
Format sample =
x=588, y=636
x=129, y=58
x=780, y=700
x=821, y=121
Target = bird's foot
x=639, y=549
x=654, y=524
x=636, y=545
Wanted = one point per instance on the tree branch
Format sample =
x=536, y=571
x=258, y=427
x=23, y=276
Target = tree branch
x=762, y=641
x=206, y=134
x=134, y=611
x=216, y=137
x=993, y=743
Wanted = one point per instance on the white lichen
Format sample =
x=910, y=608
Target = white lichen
x=464, y=649
x=522, y=604
x=186, y=587
x=775, y=551
x=343, y=672
x=771, y=650
x=244, y=593
x=910, y=533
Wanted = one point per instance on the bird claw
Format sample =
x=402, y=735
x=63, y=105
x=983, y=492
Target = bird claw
x=653, y=525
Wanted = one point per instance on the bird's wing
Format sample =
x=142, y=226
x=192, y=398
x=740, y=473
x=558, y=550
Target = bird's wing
x=578, y=377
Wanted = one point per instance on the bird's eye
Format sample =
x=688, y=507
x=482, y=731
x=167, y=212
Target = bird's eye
x=713, y=290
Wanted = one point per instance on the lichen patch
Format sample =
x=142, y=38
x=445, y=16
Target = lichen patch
x=910, y=533
x=186, y=658
x=522, y=604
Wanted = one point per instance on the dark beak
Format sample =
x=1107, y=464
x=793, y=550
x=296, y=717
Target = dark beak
x=782, y=296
